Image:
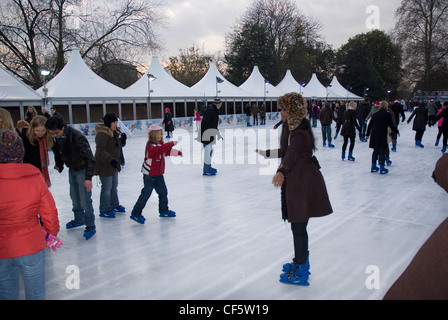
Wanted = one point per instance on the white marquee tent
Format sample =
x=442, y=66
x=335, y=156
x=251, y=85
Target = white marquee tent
x=314, y=89
x=14, y=92
x=77, y=82
x=335, y=89
x=289, y=84
x=259, y=87
x=164, y=86
x=214, y=84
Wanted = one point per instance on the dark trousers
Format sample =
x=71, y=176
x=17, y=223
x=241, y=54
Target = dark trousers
x=300, y=236
x=352, y=144
x=419, y=135
x=380, y=154
x=152, y=183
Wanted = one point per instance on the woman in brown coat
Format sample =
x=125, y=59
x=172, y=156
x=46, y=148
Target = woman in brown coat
x=304, y=193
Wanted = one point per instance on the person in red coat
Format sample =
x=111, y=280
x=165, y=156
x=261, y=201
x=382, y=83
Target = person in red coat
x=24, y=197
x=153, y=169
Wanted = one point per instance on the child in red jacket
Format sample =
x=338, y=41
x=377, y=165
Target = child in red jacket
x=153, y=169
x=24, y=197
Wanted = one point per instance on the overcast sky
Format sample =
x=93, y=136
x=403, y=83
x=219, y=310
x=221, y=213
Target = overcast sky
x=205, y=23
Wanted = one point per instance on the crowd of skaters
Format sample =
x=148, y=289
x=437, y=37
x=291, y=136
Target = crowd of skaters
x=24, y=148
x=379, y=129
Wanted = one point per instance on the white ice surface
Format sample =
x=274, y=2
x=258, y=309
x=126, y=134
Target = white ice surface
x=228, y=240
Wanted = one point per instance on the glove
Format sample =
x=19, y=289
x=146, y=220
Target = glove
x=52, y=242
x=123, y=138
x=114, y=163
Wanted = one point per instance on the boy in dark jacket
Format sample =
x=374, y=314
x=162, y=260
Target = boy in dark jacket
x=419, y=126
x=109, y=141
x=209, y=133
x=74, y=149
x=326, y=117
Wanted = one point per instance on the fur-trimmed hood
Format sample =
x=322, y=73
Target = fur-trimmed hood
x=295, y=106
x=101, y=128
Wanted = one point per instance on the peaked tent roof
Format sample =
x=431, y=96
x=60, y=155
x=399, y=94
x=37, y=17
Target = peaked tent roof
x=77, y=81
x=315, y=89
x=289, y=84
x=207, y=85
x=164, y=86
x=337, y=90
x=13, y=89
x=258, y=87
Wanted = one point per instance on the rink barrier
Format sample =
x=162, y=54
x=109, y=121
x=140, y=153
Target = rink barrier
x=140, y=127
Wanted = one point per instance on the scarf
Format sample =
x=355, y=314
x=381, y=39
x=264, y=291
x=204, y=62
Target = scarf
x=44, y=161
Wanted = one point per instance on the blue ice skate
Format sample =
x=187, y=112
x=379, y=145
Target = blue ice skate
x=290, y=267
x=383, y=170
x=107, y=214
x=73, y=224
x=119, y=208
x=89, y=232
x=298, y=276
x=350, y=157
x=374, y=168
x=140, y=219
x=169, y=214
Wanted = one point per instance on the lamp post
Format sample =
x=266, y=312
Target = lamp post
x=218, y=80
x=148, y=104
x=266, y=82
x=44, y=73
x=365, y=91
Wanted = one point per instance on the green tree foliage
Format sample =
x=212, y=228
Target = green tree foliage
x=248, y=48
x=276, y=36
x=371, y=60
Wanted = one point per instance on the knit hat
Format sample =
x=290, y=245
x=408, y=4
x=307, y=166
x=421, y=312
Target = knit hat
x=11, y=147
x=154, y=127
x=109, y=118
x=217, y=101
x=295, y=106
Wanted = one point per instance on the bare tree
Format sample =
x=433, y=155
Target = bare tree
x=38, y=33
x=422, y=30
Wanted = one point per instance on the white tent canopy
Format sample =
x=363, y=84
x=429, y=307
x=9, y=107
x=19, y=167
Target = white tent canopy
x=163, y=86
x=289, y=84
x=77, y=82
x=337, y=90
x=314, y=89
x=14, y=91
x=214, y=84
x=259, y=87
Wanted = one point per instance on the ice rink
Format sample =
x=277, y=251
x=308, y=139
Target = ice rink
x=228, y=240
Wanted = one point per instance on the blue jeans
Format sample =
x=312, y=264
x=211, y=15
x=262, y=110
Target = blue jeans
x=32, y=268
x=150, y=183
x=363, y=125
x=81, y=199
x=326, y=133
x=109, y=193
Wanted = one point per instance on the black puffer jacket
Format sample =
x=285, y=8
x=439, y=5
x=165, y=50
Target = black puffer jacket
x=75, y=151
x=209, y=125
